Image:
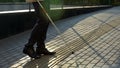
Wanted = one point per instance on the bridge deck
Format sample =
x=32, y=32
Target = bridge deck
x=94, y=38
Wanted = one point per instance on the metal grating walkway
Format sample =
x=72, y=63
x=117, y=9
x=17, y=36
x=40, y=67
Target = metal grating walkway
x=94, y=38
x=102, y=53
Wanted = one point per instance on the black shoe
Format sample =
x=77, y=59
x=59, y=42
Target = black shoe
x=44, y=52
x=29, y=51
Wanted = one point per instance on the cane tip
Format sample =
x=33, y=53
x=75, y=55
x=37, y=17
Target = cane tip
x=72, y=52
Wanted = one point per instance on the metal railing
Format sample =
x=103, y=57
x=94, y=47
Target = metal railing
x=14, y=6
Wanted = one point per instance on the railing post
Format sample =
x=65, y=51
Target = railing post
x=29, y=7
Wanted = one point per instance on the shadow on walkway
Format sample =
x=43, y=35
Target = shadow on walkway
x=38, y=63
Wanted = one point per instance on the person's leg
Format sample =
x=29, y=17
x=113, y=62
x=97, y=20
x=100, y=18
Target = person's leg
x=29, y=49
x=43, y=24
x=41, y=49
x=38, y=35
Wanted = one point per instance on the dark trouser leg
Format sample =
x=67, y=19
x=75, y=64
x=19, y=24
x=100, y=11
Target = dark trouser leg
x=41, y=36
x=38, y=34
x=41, y=31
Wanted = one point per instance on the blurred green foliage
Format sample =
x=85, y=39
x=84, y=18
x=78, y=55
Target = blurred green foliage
x=116, y=4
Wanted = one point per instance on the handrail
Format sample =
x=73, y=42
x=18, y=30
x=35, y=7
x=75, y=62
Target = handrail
x=13, y=3
x=26, y=5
